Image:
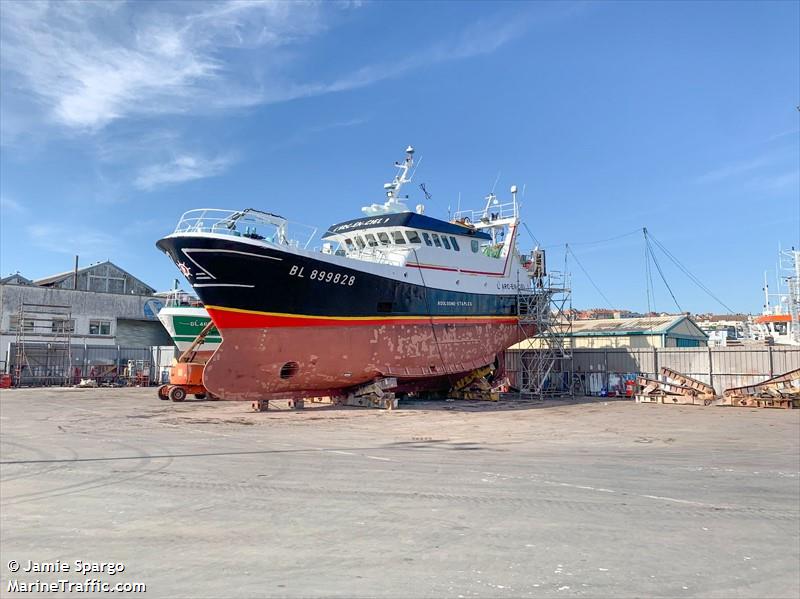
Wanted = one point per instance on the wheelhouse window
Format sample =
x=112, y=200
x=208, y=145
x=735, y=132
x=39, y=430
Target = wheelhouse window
x=371, y=241
x=427, y=238
x=455, y=244
x=413, y=237
x=383, y=238
x=436, y=241
x=475, y=246
x=99, y=327
x=398, y=237
x=445, y=243
x=360, y=242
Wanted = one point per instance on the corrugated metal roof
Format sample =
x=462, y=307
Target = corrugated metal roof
x=54, y=279
x=624, y=326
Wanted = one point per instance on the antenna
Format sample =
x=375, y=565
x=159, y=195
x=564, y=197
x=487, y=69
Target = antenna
x=495, y=181
x=425, y=191
x=416, y=166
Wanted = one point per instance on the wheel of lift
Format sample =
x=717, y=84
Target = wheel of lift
x=163, y=393
x=177, y=394
x=199, y=395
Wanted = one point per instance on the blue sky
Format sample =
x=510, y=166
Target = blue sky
x=677, y=116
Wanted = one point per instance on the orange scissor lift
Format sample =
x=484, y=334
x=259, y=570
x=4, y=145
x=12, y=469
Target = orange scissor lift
x=186, y=374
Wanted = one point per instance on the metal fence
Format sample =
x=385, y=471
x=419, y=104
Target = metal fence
x=112, y=364
x=595, y=370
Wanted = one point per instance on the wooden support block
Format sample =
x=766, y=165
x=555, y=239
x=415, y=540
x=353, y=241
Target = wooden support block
x=260, y=405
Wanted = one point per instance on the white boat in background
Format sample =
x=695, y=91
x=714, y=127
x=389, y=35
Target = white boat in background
x=778, y=323
x=184, y=317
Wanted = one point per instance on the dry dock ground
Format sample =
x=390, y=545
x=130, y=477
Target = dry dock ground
x=590, y=498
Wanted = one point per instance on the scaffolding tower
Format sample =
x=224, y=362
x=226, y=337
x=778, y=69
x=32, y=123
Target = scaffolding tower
x=43, y=348
x=790, y=264
x=545, y=320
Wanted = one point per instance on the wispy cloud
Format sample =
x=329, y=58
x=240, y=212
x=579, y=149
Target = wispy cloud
x=90, y=63
x=71, y=239
x=788, y=132
x=776, y=182
x=9, y=205
x=732, y=170
x=186, y=167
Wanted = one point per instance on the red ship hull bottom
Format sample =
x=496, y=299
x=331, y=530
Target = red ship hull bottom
x=286, y=362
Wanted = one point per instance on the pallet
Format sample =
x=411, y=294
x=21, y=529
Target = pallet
x=673, y=399
x=783, y=403
x=784, y=386
x=687, y=382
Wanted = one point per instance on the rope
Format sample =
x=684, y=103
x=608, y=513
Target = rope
x=568, y=250
x=660, y=272
x=648, y=282
x=692, y=277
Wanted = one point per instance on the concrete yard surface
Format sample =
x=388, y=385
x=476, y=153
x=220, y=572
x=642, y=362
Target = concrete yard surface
x=584, y=498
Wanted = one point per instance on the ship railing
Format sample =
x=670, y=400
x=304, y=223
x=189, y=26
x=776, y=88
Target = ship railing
x=253, y=224
x=486, y=216
x=378, y=256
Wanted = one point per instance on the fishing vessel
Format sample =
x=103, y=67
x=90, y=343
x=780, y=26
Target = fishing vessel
x=184, y=317
x=779, y=323
x=394, y=293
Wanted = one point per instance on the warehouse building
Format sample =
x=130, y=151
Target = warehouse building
x=97, y=305
x=645, y=331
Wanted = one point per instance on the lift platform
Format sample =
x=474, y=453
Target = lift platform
x=186, y=375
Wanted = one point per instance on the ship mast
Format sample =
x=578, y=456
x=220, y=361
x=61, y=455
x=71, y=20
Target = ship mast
x=394, y=202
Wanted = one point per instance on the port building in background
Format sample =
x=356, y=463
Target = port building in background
x=100, y=306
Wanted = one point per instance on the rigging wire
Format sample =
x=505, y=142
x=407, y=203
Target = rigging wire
x=691, y=276
x=597, y=241
x=568, y=250
x=538, y=243
x=648, y=279
x=658, y=267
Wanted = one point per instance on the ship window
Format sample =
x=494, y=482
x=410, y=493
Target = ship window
x=445, y=242
x=349, y=243
x=436, y=241
x=383, y=238
x=360, y=242
x=455, y=244
x=413, y=237
x=371, y=241
x=427, y=238
x=398, y=237
x=475, y=246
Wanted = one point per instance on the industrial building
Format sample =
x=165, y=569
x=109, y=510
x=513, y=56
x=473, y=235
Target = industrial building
x=646, y=331
x=100, y=305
